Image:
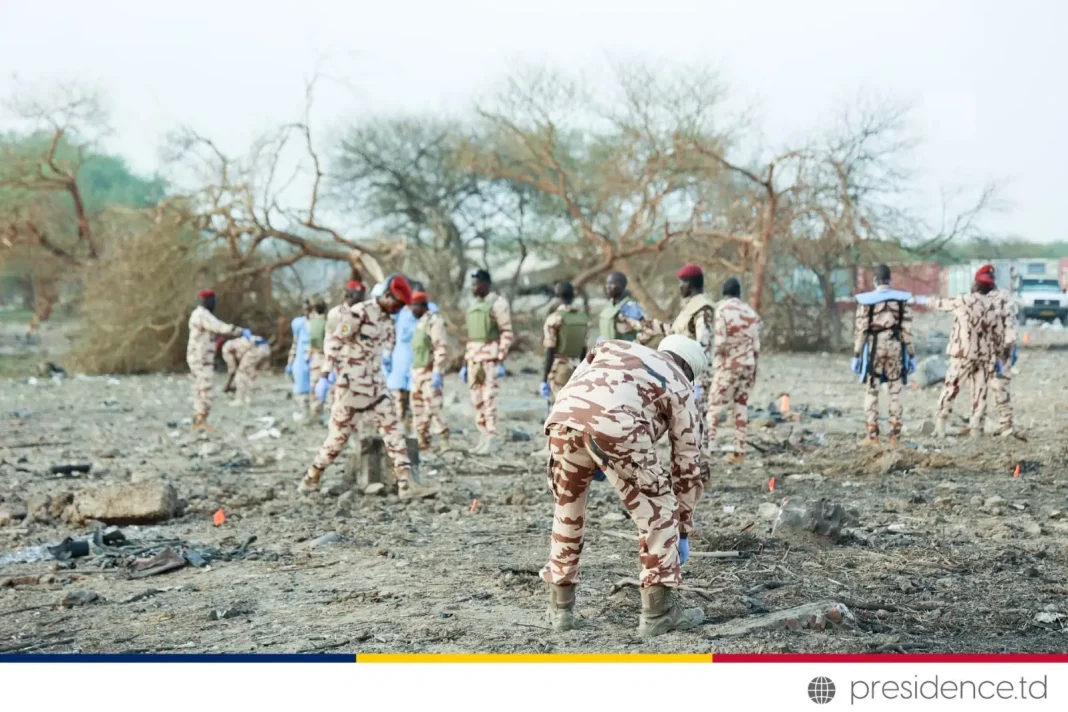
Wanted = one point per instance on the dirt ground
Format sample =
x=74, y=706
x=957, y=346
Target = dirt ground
x=933, y=563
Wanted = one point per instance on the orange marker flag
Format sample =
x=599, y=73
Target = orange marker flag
x=784, y=405
x=474, y=506
x=219, y=518
x=771, y=485
x=1027, y=338
x=1016, y=472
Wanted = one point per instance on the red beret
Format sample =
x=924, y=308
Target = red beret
x=353, y=285
x=206, y=293
x=988, y=269
x=985, y=278
x=401, y=289
x=689, y=272
x=418, y=297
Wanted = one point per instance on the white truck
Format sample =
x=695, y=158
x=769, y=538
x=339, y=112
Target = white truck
x=1041, y=298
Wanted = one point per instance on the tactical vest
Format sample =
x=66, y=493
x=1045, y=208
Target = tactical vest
x=422, y=348
x=480, y=324
x=317, y=329
x=571, y=339
x=608, y=322
x=693, y=306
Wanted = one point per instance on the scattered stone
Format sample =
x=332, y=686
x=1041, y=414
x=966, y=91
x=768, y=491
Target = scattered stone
x=59, y=505
x=1029, y=526
x=768, y=510
x=209, y=449
x=519, y=436
x=141, y=503
x=12, y=512
x=812, y=477
x=942, y=502
x=37, y=508
x=927, y=427
x=78, y=598
x=931, y=371
x=896, y=505
x=1056, y=514
x=819, y=520
x=977, y=501
x=947, y=487
x=810, y=616
x=375, y=488
x=345, y=500
x=441, y=508
x=614, y=517
x=325, y=539
x=995, y=501
x=762, y=423
x=897, y=527
x=338, y=490
x=238, y=609
x=1049, y=617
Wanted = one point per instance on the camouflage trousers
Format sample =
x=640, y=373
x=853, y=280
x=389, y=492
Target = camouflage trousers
x=428, y=405
x=978, y=374
x=643, y=485
x=730, y=388
x=316, y=370
x=246, y=370
x=560, y=374
x=402, y=404
x=1001, y=387
x=482, y=382
x=871, y=406
x=203, y=373
x=349, y=405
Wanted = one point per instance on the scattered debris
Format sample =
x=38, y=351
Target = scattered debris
x=810, y=616
x=265, y=433
x=238, y=609
x=823, y=519
x=519, y=436
x=166, y=561
x=78, y=598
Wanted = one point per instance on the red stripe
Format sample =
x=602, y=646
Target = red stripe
x=889, y=658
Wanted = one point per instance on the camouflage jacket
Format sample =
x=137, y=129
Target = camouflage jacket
x=356, y=344
x=482, y=351
x=737, y=334
x=622, y=390
x=978, y=330
x=1006, y=313
x=203, y=328
x=433, y=324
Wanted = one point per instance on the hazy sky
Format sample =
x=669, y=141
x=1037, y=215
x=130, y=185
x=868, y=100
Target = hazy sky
x=987, y=78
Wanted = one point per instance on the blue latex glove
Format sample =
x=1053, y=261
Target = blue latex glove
x=321, y=387
x=997, y=367
x=598, y=476
x=854, y=365
x=684, y=550
x=912, y=365
x=436, y=381
x=247, y=333
x=332, y=378
x=632, y=310
x=463, y=374
x=387, y=363
x=289, y=369
x=698, y=391
x=501, y=373
x=260, y=341
x=544, y=390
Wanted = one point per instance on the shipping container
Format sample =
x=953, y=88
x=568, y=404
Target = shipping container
x=921, y=278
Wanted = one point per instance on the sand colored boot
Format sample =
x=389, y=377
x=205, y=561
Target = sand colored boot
x=408, y=489
x=443, y=442
x=734, y=458
x=486, y=446
x=895, y=437
x=477, y=449
x=310, y=482
x=424, y=443
x=661, y=613
x=561, y=604
x=940, y=428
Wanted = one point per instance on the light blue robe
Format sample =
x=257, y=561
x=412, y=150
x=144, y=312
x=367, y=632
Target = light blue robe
x=399, y=377
x=301, y=367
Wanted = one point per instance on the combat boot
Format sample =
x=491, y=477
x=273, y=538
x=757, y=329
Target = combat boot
x=895, y=437
x=424, y=443
x=661, y=613
x=443, y=442
x=561, y=603
x=200, y=422
x=940, y=428
x=869, y=441
x=477, y=449
x=408, y=489
x=487, y=446
x=309, y=483
x=734, y=458
x=1006, y=432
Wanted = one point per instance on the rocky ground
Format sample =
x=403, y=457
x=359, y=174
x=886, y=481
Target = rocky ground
x=936, y=545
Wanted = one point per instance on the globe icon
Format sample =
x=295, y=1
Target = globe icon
x=821, y=690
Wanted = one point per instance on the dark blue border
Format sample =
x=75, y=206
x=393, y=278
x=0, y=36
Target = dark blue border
x=176, y=658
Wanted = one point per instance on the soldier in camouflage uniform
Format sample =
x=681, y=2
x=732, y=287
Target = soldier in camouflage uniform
x=316, y=344
x=737, y=349
x=623, y=317
x=204, y=326
x=974, y=344
x=489, y=338
x=882, y=351
x=1001, y=385
x=244, y=357
x=621, y=400
x=429, y=350
x=354, y=355
x=697, y=321
x=354, y=294
x=565, y=333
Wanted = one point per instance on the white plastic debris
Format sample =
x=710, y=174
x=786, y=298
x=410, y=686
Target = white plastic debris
x=113, y=381
x=31, y=381
x=265, y=433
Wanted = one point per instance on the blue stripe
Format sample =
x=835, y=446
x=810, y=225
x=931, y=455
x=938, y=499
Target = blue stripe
x=175, y=658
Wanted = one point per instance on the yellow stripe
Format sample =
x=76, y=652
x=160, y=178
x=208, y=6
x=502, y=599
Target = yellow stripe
x=531, y=658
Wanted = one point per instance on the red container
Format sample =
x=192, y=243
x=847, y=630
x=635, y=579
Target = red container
x=921, y=278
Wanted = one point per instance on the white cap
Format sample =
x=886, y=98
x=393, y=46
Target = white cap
x=379, y=289
x=689, y=350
